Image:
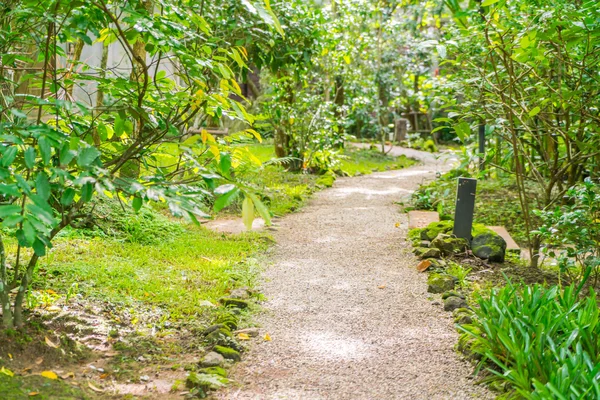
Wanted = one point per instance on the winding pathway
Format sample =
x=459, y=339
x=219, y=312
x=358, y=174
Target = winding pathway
x=348, y=314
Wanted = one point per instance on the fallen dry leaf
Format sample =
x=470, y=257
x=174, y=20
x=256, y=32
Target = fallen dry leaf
x=381, y=286
x=39, y=360
x=243, y=336
x=50, y=343
x=31, y=394
x=50, y=291
x=104, y=375
x=397, y=225
x=54, y=309
x=10, y=356
x=26, y=370
x=267, y=337
x=423, y=265
x=6, y=371
x=49, y=375
x=68, y=375
x=95, y=388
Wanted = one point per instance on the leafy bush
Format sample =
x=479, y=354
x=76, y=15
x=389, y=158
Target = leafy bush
x=543, y=343
x=575, y=228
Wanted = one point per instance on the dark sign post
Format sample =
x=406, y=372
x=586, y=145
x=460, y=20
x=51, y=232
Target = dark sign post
x=481, y=146
x=465, y=205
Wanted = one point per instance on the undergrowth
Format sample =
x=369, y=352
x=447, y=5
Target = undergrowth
x=538, y=343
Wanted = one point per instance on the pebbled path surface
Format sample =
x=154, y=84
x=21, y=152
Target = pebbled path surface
x=347, y=311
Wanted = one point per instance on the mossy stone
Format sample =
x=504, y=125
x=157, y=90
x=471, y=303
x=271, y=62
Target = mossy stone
x=425, y=252
x=237, y=303
x=435, y=228
x=452, y=293
x=205, y=382
x=437, y=283
x=454, y=302
x=228, y=353
x=220, y=336
x=489, y=246
x=449, y=245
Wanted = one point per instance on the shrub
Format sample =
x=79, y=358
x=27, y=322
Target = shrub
x=541, y=343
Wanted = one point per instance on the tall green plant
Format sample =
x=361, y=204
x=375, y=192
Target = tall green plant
x=59, y=152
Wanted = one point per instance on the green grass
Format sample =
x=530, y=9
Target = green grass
x=176, y=274
x=20, y=388
x=365, y=161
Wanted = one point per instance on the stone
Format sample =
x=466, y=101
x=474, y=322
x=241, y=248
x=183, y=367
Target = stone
x=454, y=302
x=237, y=303
x=489, y=246
x=449, y=245
x=228, y=353
x=423, y=252
x=240, y=293
x=212, y=359
x=252, y=332
x=437, y=283
x=452, y=293
x=435, y=228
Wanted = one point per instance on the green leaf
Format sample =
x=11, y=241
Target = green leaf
x=42, y=186
x=463, y=130
x=87, y=156
x=535, y=111
x=87, y=190
x=226, y=199
x=67, y=197
x=225, y=163
x=137, y=203
x=8, y=210
x=248, y=213
x=263, y=211
x=39, y=248
x=30, y=157
x=9, y=156
x=45, y=150
x=486, y=3
x=224, y=189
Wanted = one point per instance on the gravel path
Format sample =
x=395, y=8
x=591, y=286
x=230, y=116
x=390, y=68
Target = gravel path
x=347, y=312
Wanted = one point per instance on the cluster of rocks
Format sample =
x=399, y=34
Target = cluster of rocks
x=223, y=349
x=436, y=241
x=433, y=244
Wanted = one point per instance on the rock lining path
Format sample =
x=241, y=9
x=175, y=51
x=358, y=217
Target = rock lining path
x=347, y=311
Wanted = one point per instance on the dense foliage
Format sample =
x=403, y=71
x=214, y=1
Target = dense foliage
x=542, y=342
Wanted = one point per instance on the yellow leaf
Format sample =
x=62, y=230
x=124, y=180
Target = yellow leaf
x=347, y=59
x=243, y=336
x=50, y=291
x=49, y=375
x=10, y=356
x=54, y=309
x=215, y=151
x=255, y=134
x=50, y=343
x=31, y=394
x=248, y=213
x=267, y=337
x=236, y=88
x=381, y=287
x=397, y=225
x=6, y=371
